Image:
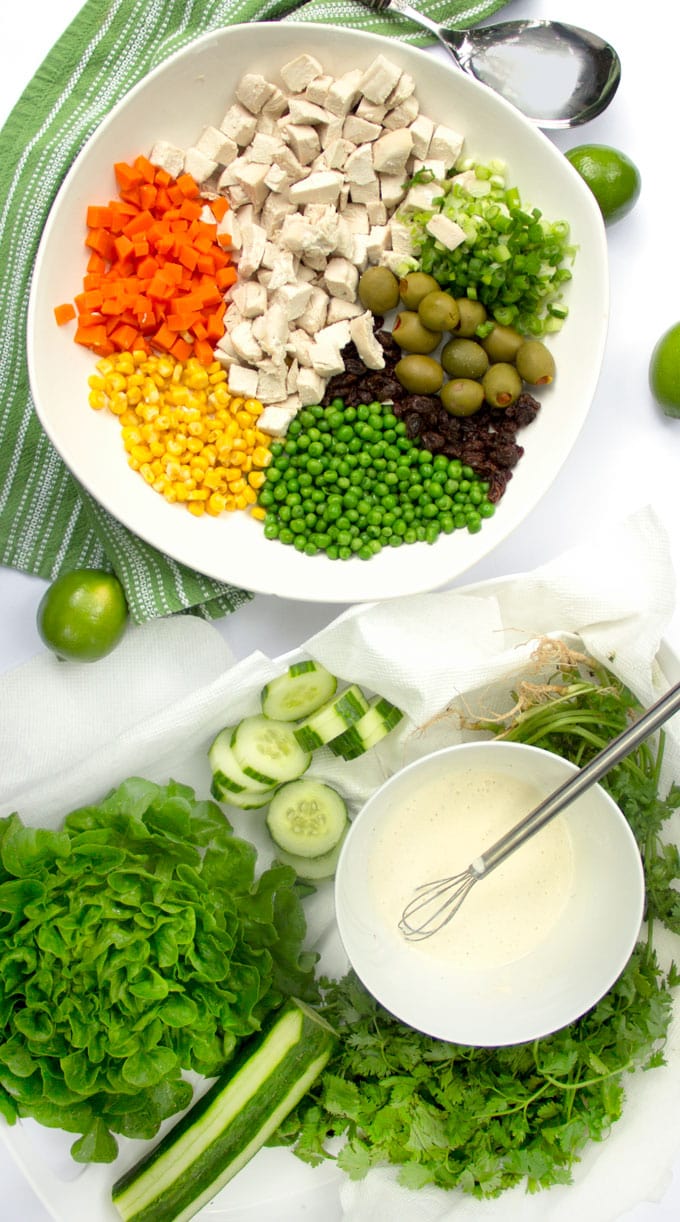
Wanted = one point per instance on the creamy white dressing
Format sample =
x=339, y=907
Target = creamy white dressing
x=452, y=820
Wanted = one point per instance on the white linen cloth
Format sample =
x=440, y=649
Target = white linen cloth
x=70, y=733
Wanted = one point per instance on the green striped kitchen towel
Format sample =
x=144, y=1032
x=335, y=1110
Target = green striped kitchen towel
x=48, y=523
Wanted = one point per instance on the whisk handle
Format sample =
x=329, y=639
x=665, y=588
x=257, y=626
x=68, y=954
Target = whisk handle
x=612, y=754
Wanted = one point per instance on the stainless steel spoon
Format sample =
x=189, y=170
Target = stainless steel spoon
x=558, y=75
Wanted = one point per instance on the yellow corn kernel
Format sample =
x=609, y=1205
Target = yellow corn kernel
x=216, y=504
x=113, y=383
x=118, y=403
x=189, y=438
x=220, y=395
x=261, y=456
x=214, y=478
x=258, y=512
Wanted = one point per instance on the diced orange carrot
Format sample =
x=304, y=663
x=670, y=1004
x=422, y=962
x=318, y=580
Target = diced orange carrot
x=98, y=216
x=181, y=350
x=147, y=195
x=157, y=270
x=188, y=186
x=145, y=168
x=204, y=352
x=164, y=337
x=64, y=313
x=219, y=206
x=225, y=277
x=126, y=176
x=123, y=246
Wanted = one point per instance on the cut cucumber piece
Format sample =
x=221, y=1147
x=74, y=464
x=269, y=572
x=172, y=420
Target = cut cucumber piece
x=312, y=869
x=228, y=778
x=332, y=718
x=368, y=730
x=224, y=1129
x=246, y=800
x=304, y=688
x=307, y=818
x=268, y=751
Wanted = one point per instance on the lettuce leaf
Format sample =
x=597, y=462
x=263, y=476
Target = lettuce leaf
x=137, y=943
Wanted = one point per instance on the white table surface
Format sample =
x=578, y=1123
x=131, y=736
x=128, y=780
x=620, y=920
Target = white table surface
x=628, y=453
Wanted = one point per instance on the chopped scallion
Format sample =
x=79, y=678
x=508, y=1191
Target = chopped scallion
x=513, y=260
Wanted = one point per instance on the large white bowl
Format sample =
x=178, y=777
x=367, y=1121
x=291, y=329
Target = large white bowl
x=511, y=1000
x=192, y=89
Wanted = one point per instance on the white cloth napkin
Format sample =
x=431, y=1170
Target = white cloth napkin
x=69, y=734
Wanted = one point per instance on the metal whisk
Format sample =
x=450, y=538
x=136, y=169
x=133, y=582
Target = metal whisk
x=435, y=903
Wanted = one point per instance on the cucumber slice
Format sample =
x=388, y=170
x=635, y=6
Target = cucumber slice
x=312, y=869
x=382, y=716
x=233, y=1120
x=304, y=688
x=246, y=800
x=228, y=778
x=307, y=818
x=268, y=751
x=332, y=718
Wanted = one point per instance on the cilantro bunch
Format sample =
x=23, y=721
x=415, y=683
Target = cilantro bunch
x=483, y=1120
x=477, y=1119
x=136, y=944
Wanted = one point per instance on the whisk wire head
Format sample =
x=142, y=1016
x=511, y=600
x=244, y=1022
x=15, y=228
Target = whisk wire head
x=453, y=889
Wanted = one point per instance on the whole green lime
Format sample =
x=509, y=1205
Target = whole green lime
x=82, y=615
x=664, y=371
x=612, y=177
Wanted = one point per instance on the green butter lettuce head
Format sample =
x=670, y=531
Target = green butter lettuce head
x=137, y=942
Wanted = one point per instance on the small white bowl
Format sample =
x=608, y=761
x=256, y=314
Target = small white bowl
x=537, y=943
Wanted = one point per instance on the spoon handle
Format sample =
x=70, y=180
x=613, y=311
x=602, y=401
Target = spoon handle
x=449, y=39
x=571, y=789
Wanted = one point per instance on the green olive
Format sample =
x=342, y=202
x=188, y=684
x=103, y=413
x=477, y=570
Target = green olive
x=502, y=343
x=409, y=333
x=378, y=290
x=463, y=358
x=502, y=384
x=414, y=287
x=535, y=363
x=471, y=315
x=462, y=396
x=419, y=374
x=439, y=311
